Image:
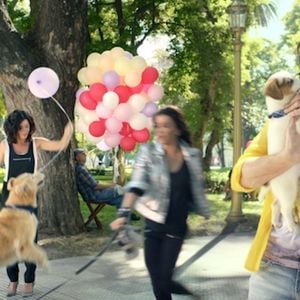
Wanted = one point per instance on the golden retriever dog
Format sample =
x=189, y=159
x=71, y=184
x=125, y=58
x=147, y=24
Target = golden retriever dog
x=18, y=223
x=279, y=89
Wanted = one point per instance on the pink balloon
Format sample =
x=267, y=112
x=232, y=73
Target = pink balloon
x=146, y=87
x=155, y=92
x=97, y=90
x=150, y=109
x=127, y=143
x=102, y=146
x=123, y=112
x=112, y=140
x=141, y=136
x=102, y=111
x=124, y=92
x=113, y=125
x=126, y=129
x=43, y=82
x=149, y=75
x=87, y=101
x=137, y=89
x=97, y=128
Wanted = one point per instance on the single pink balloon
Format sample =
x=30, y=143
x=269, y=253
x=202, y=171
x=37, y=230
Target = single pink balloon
x=43, y=82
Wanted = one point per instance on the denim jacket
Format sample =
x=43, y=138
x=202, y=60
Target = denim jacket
x=151, y=174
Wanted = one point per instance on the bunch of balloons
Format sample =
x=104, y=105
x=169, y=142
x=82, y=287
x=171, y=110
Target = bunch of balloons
x=117, y=99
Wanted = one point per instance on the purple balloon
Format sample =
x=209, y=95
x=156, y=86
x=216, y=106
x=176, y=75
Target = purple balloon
x=150, y=109
x=43, y=82
x=111, y=79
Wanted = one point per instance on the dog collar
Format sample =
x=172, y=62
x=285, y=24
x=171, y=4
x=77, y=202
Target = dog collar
x=277, y=114
x=28, y=208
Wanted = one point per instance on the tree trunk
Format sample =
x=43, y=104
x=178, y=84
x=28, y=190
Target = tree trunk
x=119, y=167
x=57, y=40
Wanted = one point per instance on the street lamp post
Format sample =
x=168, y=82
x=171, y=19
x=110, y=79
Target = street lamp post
x=238, y=16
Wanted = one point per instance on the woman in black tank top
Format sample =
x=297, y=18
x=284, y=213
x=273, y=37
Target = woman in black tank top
x=17, y=153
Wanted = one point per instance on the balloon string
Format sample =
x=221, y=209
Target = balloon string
x=62, y=109
x=68, y=118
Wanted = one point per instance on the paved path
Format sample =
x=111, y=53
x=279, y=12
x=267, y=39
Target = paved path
x=217, y=275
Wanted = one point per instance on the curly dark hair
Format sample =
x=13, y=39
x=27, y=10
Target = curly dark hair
x=177, y=116
x=12, y=123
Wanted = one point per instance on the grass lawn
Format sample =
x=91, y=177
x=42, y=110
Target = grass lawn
x=197, y=224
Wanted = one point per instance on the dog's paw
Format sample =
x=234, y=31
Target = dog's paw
x=296, y=213
x=293, y=227
x=45, y=264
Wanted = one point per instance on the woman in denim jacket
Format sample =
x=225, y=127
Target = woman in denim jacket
x=166, y=184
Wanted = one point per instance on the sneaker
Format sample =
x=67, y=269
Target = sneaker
x=12, y=289
x=134, y=217
x=27, y=290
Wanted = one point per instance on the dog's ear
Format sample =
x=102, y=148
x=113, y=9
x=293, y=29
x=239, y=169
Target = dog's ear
x=272, y=89
x=10, y=183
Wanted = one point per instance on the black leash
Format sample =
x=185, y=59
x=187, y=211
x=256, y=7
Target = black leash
x=229, y=228
x=102, y=251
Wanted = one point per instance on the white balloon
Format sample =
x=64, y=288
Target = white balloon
x=89, y=117
x=138, y=121
x=110, y=100
x=137, y=102
x=81, y=126
x=102, y=146
x=93, y=139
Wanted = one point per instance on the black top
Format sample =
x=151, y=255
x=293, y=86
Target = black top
x=18, y=164
x=180, y=201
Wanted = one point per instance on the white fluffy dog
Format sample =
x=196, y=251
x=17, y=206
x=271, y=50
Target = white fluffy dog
x=279, y=90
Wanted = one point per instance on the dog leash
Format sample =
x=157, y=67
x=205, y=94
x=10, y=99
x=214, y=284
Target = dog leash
x=101, y=252
x=228, y=229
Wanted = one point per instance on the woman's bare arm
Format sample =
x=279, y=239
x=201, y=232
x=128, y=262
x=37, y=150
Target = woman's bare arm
x=257, y=171
x=57, y=145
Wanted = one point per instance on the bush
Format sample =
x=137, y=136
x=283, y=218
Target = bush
x=215, y=180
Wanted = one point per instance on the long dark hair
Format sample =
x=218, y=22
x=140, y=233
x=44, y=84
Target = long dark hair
x=177, y=116
x=12, y=123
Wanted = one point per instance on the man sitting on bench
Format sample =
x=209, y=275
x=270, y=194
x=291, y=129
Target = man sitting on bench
x=90, y=190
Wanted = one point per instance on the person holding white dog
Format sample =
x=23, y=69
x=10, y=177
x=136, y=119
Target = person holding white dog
x=18, y=154
x=274, y=256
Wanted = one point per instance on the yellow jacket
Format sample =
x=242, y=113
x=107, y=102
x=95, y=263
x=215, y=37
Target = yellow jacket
x=258, y=147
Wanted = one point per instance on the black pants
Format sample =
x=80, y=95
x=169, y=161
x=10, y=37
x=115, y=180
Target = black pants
x=161, y=253
x=29, y=275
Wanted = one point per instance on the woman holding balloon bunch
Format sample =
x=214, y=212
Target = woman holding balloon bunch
x=166, y=185
x=18, y=154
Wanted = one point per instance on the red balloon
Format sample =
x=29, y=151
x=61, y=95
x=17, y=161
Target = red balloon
x=97, y=128
x=87, y=101
x=141, y=136
x=124, y=92
x=127, y=143
x=137, y=89
x=126, y=129
x=149, y=75
x=97, y=90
